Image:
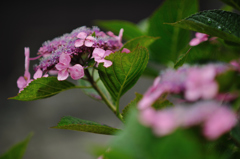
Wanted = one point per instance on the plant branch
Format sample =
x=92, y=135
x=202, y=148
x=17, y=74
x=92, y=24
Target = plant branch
x=104, y=98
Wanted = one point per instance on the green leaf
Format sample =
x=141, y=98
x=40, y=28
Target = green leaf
x=132, y=104
x=173, y=39
x=234, y=3
x=124, y=72
x=43, y=88
x=219, y=23
x=18, y=150
x=130, y=29
x=181, y=59
x=72, y=123
x=139, y=41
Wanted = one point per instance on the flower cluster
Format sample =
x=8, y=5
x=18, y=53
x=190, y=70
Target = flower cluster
x=215, y=118
x=71, y=53
x=193, y=83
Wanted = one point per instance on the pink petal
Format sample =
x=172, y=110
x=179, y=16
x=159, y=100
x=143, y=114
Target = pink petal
x=220, y=122
x=101, y=33
x=125, y=50
x=192, y=94
x=194, y=42
x=208, y=73
x=156, y=81
x=120, y=35
x=165, y=122
x=89, y=41
x=76, y=71
x=147, y=116
x=111, y=34
x=38, y=74
x=107, y=63
x=210, y=90
x=82, y=35
x=79, y=43
x=27, y=54
x=27, y=75
x=53, y=72
x=201, y=35
x=46, y=75
x=98, y=52
x=62, y=75
x=107, y=53
x=61, y=66
x=65, y=59
x=150, y=97
x=21, y=82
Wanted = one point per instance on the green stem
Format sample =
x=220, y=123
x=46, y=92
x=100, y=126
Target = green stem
x=104, y=98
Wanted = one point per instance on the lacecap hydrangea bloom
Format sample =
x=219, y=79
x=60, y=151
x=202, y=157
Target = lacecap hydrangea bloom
x=215, y=118
x=71, y=53
x=195, y=84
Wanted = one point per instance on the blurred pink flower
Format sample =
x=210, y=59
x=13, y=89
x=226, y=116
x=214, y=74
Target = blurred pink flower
x=215, y=118
x=200, y=37
x=200, y=83
x=165, y=122
x=151, y=95
x=195, y=82
x=220, y=122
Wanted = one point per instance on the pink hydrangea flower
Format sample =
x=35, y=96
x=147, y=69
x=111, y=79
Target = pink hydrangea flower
x=99, y=55
x=215, y=118
x=220, y=122
x=23, y=81
x=200, y=83
x=63, y=67
x=200, y=37
x=195, y=82
x=83, y=39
